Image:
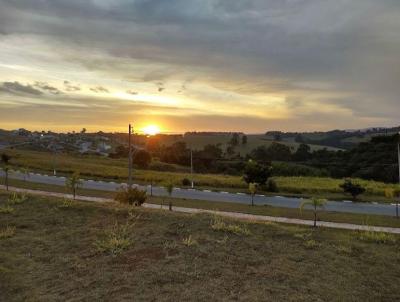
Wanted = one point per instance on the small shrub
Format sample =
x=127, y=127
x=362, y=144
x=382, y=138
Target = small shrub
x=170, y=245
x=302, y=236
x=8, y=232
x=345, y=250
x=377, y=237
x=6, y=210
x=115, y=240
x=131, y=196
x=186, y=182
x=272, y=186
x=219, y=225
x=66, y=203
x=17, y=198
x=311, y=244
x=189, y=241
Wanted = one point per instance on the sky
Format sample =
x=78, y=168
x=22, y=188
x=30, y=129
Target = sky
x=199, y=65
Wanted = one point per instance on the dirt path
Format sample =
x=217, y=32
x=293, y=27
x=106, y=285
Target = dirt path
x=243, y=216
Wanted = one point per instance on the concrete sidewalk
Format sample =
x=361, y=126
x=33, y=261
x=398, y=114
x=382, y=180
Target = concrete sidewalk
x=243, y=216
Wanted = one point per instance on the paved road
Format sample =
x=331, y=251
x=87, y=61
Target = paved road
x=275, y=201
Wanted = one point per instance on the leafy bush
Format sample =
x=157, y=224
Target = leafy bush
x=186, y=182
x=256, y=173
x=352, y=188
x=271, y=186
x=131, y=196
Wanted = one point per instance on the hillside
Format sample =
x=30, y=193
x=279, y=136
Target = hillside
x=198, y=141
x=345, y=139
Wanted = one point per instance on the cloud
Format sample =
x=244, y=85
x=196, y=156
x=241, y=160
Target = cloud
x=47, y=88
x=99, y=89
x=317, y=55
x=19, y=89
x=132, y=92
x=71, y=87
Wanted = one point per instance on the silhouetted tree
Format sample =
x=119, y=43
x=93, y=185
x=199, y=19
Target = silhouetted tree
x=142, y=159
x=256, y=173
x=352, y=188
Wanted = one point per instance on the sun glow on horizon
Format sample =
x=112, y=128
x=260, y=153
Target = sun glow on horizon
x=151, y=130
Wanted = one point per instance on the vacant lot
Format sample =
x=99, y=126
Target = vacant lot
x=57, y=250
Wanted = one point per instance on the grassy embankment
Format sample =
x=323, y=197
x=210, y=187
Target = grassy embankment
x=361, y=219
x=55, y=250
x=115, y=169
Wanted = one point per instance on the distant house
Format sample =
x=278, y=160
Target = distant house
x=103, y=148
x=84, y=147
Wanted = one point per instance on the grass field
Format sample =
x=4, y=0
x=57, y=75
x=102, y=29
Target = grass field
x=54, y=250
x=106, y=168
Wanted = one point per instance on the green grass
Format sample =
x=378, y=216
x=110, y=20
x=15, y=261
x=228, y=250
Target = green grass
x=53, y=256
x=95, y=167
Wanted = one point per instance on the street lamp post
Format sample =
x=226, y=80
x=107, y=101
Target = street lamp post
x=398, y=161
x=130, y=158
x=191, y=166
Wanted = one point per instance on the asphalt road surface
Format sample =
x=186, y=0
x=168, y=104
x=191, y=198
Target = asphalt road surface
x=275, y=201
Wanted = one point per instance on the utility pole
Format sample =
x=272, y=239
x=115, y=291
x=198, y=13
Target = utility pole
x=130, y=158
x=398, y=161
x=191, y=166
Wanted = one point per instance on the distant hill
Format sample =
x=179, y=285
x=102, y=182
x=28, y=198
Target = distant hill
x=342, y=139
x=197, y=141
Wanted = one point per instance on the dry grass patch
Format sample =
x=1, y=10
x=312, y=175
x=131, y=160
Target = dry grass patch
x=218, y=224
x=115, y=240
x=376, y=237
x=8, y=232
x=6, y=209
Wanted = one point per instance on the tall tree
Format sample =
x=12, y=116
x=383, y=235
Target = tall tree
x=256, y=173
x=142, y=159
x=234, y=140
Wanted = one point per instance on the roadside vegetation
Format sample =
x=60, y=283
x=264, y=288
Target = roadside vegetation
x=94, y=167
x=143, y=255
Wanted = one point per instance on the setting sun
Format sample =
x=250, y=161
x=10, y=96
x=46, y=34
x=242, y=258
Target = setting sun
x=151, y=130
